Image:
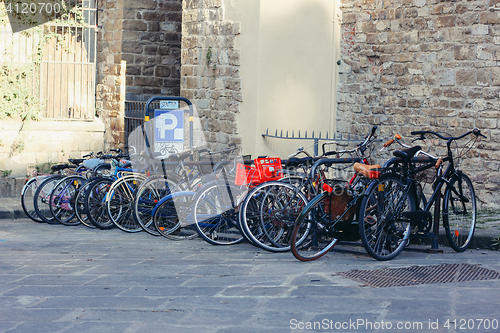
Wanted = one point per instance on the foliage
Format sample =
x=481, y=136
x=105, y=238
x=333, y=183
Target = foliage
x=16, y=99
x=43, y=168
x=6, y=173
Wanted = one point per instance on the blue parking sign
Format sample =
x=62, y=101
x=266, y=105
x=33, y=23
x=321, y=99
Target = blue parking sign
x=169, y=126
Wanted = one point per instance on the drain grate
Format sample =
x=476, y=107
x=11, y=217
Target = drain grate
x=416, y=275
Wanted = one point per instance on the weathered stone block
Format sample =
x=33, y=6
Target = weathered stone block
x=466, y=77
x=463, y=52
x=135, y=25
x=445, y=21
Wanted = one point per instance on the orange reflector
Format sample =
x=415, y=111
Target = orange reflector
x=161, y=228
x=75, y=182
x=456, y=233
x=381, y=187
x=327, y=188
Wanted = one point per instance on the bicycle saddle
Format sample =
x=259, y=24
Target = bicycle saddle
x=407, y=153
x=366, y=170
x=296, y=162
x=76, y=161
x=179, y=156
x=62, y=167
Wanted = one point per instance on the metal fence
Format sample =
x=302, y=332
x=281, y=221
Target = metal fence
x=134, y=121
x=68, y=69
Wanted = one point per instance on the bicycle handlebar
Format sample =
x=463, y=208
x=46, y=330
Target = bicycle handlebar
x=475, y=131
x=361, y=147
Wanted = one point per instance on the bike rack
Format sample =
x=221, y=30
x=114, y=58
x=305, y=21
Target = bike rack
x=336, y=137
x=148, y=111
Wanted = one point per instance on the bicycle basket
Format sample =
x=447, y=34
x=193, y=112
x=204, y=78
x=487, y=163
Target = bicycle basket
x=244, y=174
x=269, y=168
x=265, y=169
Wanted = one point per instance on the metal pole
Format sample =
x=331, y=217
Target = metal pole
x=435, y=239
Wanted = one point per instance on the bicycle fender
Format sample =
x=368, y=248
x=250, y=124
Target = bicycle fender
x=170, y=196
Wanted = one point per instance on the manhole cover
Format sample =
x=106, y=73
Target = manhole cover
x=415, y=275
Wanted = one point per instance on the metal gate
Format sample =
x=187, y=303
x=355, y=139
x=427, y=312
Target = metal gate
x=68, y=68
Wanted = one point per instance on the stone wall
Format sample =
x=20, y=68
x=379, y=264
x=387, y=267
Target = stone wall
x=138, y=56
x=425, y=64
x=210, y=75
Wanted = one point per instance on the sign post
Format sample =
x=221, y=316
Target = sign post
x=168, y=124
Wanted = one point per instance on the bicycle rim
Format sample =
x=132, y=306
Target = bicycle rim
x=384, y=232
x=459, y=216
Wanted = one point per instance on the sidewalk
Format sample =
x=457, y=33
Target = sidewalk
x=62, y=279
x=487, y=226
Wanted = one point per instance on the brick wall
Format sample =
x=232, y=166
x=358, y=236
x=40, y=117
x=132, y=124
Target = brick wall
x=138, y=56
x=424, y=64
x=210, y=68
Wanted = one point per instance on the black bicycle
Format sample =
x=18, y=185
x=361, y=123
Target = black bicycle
x=391, y=207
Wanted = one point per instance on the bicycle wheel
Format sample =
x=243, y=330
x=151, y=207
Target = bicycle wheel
x=120, y=203
x=173, y=219
x=268, y=214
x=80, y=212
x=214, y=213
x=42, y=196
x=459, y=214
x=149, y=193
x=28, y=195
x=62, y=200
x=311, y=238
x=383, y=230
x=95, y=203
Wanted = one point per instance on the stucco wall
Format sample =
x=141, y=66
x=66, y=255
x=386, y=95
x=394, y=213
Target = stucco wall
x=274, y=68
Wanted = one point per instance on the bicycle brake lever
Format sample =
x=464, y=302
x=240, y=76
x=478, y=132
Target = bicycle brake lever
x=422, y=137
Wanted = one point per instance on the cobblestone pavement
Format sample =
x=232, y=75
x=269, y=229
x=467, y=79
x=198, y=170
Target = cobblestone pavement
x=55, y=278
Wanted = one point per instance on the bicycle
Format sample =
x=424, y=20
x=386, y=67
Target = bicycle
x=157, y=187
x=391, y=206
x=212, y=208
x=330, y=215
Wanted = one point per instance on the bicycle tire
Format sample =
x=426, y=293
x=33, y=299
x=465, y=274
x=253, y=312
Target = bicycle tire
x=149, y=193
x=310, y=239
x=80, y=211
x=268, y=214
x=173, y=218
x=62, y=200
x=120, y=203
x=42, y=196
x=384, y=233
x=95, y=203
x=28, y=195
x=215, y=213
x=459, y=232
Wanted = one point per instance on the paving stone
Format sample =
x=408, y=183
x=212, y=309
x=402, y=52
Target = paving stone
x=140, y=283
